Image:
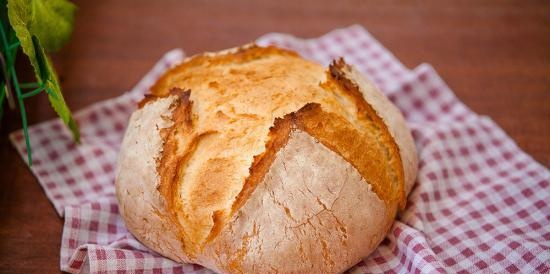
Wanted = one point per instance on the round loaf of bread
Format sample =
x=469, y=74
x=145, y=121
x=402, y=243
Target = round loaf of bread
x=255, y=160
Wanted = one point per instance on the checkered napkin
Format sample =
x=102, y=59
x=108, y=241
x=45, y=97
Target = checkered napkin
x=480, y=204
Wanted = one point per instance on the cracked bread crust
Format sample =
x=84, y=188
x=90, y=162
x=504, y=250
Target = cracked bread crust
x=312, y=213
x=389, y=115
x=205, y=144
x=142, y=206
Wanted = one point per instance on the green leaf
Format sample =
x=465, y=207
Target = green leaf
x=41, y=61
x=49, y=78
x=49, y=20
x=20, y=16
x=52, y=22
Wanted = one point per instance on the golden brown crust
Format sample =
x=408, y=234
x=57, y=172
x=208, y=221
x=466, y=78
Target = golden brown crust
x=232, y=115
x=278, y=136
x=141, y=205
x=313, y=214
x=238, y=55
x=392, y=120
x=336, y=133
x=339, y=135
x=170, y=161
x=396, y=191
x=168, y=166
x=148, y=98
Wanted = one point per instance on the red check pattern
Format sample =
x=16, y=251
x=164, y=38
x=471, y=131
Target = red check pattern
x=480, y=204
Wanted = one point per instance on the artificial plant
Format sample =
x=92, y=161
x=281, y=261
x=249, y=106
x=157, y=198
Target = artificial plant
x=37, y=27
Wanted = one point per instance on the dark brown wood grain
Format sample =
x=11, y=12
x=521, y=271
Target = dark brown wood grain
x=494, y=54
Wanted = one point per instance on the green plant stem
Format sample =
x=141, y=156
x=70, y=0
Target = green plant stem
x=2, y=97
x=30, y=85
x=10, y=55
x=32, y=93
x=13, y=46
x=23, y=113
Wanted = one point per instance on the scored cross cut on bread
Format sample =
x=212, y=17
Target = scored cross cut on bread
x=254, y=160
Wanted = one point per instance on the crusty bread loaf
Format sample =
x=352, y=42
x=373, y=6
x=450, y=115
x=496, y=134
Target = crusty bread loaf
x=254, y=160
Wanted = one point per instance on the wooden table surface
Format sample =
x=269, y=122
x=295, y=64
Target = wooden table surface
x=495, y=55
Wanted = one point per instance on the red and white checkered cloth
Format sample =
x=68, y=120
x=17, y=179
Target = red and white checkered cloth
x=480, y=204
